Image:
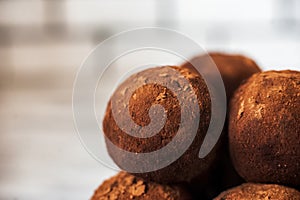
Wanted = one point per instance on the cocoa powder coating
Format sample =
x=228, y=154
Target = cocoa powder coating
x=124, y=186
x=251, y=191
x=264, y=128
x=234, y=68
x=189, y=165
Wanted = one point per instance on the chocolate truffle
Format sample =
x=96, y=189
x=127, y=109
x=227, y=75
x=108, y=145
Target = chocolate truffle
x=233, y=68
x=252, y=191
x=188, y=165
x=264, y=128
x=125, y=186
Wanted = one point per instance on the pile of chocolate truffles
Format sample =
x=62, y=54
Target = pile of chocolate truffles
x=256, y=157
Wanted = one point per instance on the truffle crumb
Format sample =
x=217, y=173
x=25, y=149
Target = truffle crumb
x=125, y=186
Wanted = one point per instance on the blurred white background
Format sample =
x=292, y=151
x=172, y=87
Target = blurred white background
x=42, y=44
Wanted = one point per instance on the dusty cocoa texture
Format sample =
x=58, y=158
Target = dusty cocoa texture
x=124, y=186
x=251, y=191
x=189, y=165
x=233, y=68
x=264, y=128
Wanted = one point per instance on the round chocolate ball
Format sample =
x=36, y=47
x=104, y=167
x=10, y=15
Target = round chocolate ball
x=125, y=186
x=264, y=128
x=180, y=122
x=233, y=68
x=251, y=191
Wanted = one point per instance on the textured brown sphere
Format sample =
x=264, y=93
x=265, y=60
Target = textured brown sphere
x=188, y=165
x=124, y=186
x=233, y=68
x=264, y=128
x=251, y=191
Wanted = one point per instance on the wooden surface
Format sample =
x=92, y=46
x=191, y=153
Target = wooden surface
x=41, y=155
